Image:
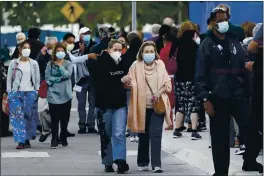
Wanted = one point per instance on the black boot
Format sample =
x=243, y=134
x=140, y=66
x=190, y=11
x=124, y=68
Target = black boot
x=63, y=140
x=251, y=167
x=54, y=144
x=122, y=166
x=109, y=169
x=27, y=144
x=70, y=134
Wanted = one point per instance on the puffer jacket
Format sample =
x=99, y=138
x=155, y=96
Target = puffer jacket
x=221, y=76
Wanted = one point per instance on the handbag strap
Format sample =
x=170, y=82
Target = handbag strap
x=149, y=85
x=14, y=73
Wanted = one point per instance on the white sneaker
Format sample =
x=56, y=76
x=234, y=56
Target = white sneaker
x=157, y=170
x=143, y=168
x=132, y=139
x=136, y=139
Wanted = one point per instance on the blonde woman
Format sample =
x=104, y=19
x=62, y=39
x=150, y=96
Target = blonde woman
x=146, y=75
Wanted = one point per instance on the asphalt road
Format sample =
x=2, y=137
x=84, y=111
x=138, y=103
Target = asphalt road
x=81, y=157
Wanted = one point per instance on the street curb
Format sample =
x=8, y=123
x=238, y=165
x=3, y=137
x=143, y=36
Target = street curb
x=200, y=158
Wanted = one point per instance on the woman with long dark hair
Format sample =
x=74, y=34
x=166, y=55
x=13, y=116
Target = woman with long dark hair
x=23, y=79
x=58, y=77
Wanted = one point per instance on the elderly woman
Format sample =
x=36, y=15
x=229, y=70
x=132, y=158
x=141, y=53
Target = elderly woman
x=149, y=81
x=20, y=37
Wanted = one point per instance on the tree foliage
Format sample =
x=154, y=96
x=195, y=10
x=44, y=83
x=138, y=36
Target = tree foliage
x=27, y=13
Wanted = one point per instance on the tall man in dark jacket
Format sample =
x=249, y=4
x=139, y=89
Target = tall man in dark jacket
x=222, y=83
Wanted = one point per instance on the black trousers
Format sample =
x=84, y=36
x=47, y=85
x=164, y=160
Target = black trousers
x=4, y=124
x=201, y=114
x=153, y=134
x=220, y=129
x=254, y=142
x=60, y=113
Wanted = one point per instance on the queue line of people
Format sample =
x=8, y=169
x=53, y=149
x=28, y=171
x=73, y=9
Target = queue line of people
x=213, y=79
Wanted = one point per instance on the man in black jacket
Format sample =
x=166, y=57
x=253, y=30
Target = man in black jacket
x=222, y=83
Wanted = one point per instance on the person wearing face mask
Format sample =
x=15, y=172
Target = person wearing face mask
x=84, y=45
x=123, y=40
x=110, y=103
x=68, y=40
x=83, y=80
x=20, y=37
x=223, y=85
x=149, y=81
x=43, y=58
x=23, y=82
x=187, y=103
x=58, y=77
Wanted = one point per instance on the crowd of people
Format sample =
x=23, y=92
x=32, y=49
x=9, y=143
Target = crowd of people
x=132, y=86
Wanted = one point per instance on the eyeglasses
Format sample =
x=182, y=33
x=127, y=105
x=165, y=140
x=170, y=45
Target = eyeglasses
x=218, y=9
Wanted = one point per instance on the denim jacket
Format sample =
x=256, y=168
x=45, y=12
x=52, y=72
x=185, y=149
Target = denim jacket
x=14, y=77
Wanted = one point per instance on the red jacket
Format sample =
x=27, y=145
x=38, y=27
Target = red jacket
x=164, y=55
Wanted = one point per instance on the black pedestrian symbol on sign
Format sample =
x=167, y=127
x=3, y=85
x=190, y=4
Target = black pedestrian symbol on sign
x=72, y=10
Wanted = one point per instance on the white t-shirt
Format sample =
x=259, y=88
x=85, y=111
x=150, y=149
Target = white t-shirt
x=26, y=83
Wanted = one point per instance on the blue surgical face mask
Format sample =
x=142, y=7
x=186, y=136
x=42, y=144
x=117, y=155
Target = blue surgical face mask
x=60, y=55
x=86, y=38
x=223, y=27
x=149, y=58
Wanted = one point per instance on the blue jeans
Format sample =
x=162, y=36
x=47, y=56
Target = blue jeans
x=23, y=114
x=84, y=119
x=112, y=130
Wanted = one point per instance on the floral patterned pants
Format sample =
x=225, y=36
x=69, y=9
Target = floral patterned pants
x=23, y=110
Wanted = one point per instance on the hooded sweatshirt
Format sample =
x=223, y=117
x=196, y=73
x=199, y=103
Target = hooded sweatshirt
x=110, y=92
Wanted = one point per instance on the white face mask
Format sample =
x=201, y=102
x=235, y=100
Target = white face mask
x=116, y=56
x=197, y=40
x=70, y=46
x=25, y=52
x=49, y=51
x=19, y=41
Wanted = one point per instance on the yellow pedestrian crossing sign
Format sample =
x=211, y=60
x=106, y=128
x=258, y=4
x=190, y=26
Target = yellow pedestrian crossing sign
x=72, y=11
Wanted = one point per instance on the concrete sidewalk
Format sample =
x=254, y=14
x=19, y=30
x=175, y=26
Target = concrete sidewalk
x=197, y=153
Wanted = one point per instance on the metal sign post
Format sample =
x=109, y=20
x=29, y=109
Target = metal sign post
x=134, y=15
